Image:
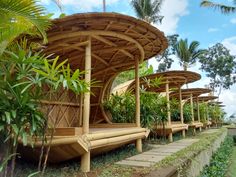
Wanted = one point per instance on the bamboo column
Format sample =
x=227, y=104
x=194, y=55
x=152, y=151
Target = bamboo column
x=81, y=110
x=137, y=104
x=181, y=110
x=85, y=158
x=207, y=114
x=170, y=136
x=198, y=114
x=192, y=112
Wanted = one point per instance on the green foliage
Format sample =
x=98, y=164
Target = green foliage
x=21, y=16
x=220, y=160
x=153, y=109
x=165, y=59
x=129, y=75
x=148, y=10
x=187, y=53
x=216, y=113
x=219, y=66
x=121, y=107
x=203, y=112
x=225, y=9
x=187, y=113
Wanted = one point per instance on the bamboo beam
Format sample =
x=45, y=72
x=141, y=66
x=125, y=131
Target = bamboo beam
x=116, y=140
x=63, y=103
x=108, y=42
x=168, y=103
x=100, y=32
x=105, y=134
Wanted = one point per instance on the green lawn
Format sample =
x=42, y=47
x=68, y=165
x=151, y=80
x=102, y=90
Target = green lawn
x=232, y=167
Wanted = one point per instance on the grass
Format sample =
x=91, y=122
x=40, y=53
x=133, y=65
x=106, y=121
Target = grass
x=232, y=167
x=220, y=160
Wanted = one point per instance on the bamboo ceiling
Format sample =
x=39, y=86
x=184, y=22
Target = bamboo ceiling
x=116, y=42
x=186, y=93
x=175, y=78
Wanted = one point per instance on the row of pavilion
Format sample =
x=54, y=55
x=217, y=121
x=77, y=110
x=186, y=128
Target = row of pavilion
x=171, y=86
x=104, y=45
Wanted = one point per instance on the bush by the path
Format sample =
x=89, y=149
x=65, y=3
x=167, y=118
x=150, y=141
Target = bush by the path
x=220, y=160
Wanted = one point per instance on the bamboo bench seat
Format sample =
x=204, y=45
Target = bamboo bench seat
x=173, y=128
x=196, y=124
x=72, y=144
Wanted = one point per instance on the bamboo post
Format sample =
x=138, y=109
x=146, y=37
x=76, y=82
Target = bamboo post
x=198, y=110
x=192, y=112
x=168, y=103
x=137, y=104
x=181, y=111
x=85, y=159
x=170, y=136
x=207, y=114
x=80, y=110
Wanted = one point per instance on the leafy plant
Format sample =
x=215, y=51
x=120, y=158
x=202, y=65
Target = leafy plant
x=187, y=113
x=219, y=163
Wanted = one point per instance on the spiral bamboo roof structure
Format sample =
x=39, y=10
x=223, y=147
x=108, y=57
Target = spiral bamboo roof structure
x=116, y=42
x=175, y=78
x=186, y=93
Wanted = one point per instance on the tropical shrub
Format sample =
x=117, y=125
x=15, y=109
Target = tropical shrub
x=220, y=160
x=121, y=107
x=187, y=113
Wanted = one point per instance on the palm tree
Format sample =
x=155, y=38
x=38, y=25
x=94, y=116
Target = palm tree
x=187, y=53
x=21, y=16
x=148, y=10
x=225, y=9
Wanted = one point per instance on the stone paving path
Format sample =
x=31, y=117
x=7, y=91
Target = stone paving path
x=156, y=154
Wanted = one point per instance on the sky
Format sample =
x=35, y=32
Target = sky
x=183, y=17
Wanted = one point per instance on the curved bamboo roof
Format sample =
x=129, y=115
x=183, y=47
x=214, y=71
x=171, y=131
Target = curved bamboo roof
x=207, y=98
x=175, y=78
x=116, y=42
x=186, y=93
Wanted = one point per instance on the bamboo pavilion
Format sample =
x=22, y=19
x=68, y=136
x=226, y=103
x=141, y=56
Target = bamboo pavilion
x=189, y=95
x=102, y=44
x=170, y=80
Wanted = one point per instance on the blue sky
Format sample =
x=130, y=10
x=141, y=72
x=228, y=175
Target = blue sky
x=183, y=17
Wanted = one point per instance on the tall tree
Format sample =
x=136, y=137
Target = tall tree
x=220, y=66
x=225, y=9
x=187, y=53
x=165, y=60
x=148, y=10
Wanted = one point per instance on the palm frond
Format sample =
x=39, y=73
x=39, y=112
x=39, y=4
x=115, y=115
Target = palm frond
x=24, y=15
x=217, y=6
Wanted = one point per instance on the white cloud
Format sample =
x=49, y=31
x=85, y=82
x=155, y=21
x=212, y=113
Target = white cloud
x=233, y=20
x=230, y=43
x=172, y=10
x=210, y=30
x=228, y=99
x=83, y=6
